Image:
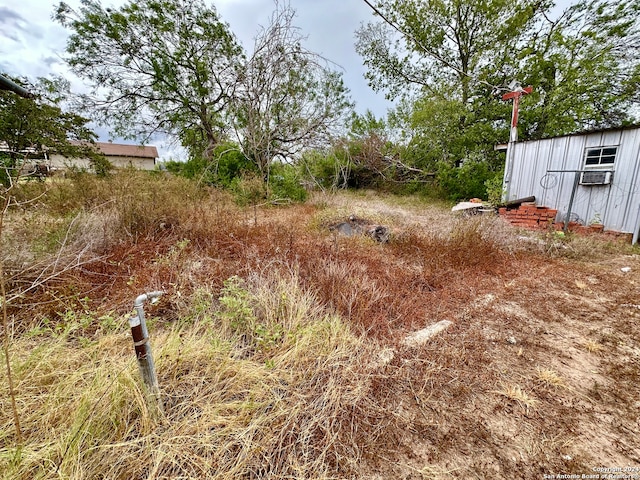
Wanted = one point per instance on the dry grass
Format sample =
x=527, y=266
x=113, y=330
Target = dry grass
x=236, y=405
x=269, y=336
x=593, y=347
x=515, y=393
x=550, y=378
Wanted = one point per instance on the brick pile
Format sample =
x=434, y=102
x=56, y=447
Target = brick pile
x=529, y=216
x=593, y=229
x=533, y=217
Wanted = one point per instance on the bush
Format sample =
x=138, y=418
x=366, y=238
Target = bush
x=495, y=188
x=248, y=189
x=354, y=163
x=466, y=181
x=231, y=164
x=102, y=166
x=285, y=183
x=326, y=169
x=227, y=163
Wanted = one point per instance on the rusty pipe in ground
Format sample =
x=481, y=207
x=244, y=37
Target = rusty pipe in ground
x=140, y=335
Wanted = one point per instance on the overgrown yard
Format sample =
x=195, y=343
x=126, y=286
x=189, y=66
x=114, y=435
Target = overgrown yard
x=278, y=343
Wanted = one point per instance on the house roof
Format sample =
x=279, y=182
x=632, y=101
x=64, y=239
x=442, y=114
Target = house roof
x=108, y=149
x=121, y=150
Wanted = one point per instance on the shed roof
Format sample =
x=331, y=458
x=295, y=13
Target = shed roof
x=588, y=132
x=123, y=150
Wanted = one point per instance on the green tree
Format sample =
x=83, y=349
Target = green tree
x=445, y=59
x=367, y=124
x=584, y=68
x=461, y=54
x=34, y=127
x=289, y=99
x=442, y=47
x=167, y=66
x=449, y=61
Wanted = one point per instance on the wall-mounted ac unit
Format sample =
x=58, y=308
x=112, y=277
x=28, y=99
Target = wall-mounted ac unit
x=596, y=177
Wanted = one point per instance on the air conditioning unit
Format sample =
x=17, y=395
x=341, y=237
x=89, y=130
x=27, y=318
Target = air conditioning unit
x=596, y=177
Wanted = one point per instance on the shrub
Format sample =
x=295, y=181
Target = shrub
x=226, y=164
x=326, y=169
x=466, y=181
x=354, y=163
x=231, y=164
x=102, y=166
x=495, y=188
x=285, y=183
x=249, y=189
x=236, y=312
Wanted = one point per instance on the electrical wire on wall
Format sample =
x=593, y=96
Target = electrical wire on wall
x=549, y=181
x=618, y=192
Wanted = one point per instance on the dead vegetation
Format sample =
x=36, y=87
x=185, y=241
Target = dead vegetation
x=272, y=341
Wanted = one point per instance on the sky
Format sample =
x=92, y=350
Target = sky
x=32, y=44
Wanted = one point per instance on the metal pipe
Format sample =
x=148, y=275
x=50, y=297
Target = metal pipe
x=515, y=95
x=7, y=84
x=636, y=232
x=519, y=201
x=138, y=306
x=508, y=172
x=140, y=335
x=573, y=195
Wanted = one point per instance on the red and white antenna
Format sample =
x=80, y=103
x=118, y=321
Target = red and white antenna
x=517, y=91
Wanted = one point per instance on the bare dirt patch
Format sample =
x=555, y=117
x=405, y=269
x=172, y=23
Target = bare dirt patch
x=538, y=374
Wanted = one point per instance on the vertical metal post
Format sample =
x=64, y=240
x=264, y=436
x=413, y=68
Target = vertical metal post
x=508, y=172
x=140, y=335
x=143, y=354
x=576, y=179
x=513, y=138
x=514, y=95
x=636, y=232
x=513, y=133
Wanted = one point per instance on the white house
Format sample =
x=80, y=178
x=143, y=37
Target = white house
x=594, y=176
x=120, y=155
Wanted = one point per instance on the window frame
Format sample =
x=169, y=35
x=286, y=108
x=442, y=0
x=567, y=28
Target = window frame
x=601, y=154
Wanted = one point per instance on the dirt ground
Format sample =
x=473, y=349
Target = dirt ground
x=538, y=375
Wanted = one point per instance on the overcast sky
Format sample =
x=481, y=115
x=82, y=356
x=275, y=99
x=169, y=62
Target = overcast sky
x=31, y=44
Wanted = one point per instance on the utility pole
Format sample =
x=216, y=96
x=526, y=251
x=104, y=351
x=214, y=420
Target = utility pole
x=517, y=91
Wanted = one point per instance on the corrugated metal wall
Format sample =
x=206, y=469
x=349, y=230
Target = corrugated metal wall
x=617, y=205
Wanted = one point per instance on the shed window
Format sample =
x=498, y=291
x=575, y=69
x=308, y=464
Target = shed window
x=600, y=156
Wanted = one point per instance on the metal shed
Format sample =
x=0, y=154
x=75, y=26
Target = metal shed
x=601, y=168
